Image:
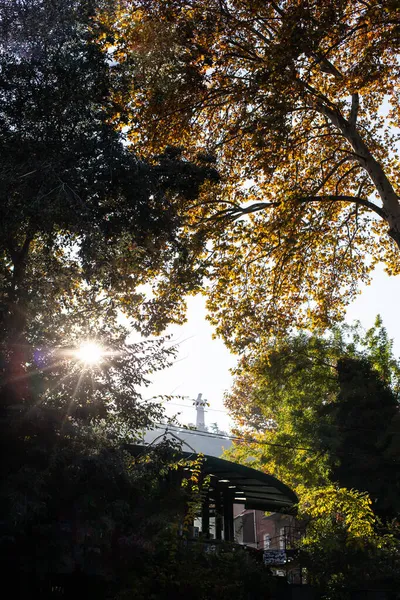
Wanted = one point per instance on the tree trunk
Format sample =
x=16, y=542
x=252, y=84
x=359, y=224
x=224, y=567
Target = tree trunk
x=362, y=154
x=14, y=387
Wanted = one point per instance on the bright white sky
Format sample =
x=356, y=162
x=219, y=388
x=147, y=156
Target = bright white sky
x=203, y=363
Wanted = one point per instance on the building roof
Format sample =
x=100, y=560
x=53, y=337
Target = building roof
x=198, y=440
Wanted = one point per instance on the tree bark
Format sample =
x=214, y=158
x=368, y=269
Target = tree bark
x=14, y=317
x=14, y=388
x=362, y=154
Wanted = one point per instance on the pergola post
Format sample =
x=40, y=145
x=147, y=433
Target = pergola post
x=205, y=516
x=218, y=515
x=228, y=516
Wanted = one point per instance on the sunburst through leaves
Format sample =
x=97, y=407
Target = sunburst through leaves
x=90, y=353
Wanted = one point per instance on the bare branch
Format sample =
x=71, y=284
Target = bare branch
x=239, y=211
x=254, y=208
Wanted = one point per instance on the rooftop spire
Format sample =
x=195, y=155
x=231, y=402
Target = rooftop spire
x=200, y=418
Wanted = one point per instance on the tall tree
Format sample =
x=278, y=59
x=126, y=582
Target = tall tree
x=362, y=434
x=324, y=410
x=85, y=220
x=296, y=102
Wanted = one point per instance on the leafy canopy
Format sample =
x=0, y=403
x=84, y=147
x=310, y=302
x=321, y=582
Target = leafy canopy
x=85, y=221
x=83, y=215
x=360, y=432
x=322, y=414
x=315, y=411
x=296, y=101
x=342, y=548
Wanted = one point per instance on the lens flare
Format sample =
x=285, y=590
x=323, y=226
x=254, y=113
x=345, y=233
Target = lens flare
x=90, y=353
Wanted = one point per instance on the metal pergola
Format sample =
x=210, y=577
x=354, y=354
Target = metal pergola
x=231, y=483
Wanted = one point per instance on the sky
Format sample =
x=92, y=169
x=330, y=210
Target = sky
x=203, y=363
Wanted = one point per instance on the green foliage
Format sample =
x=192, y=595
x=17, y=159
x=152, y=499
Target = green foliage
x=360, y=432
x=321, y=409
x=200, y=573
x=329, y=508
x=276, y=399
x=322, y=414
x=376, y=344
x=195, y=486
x=85, y=222
x=80, y=504
x=85, y=219
x=344, y=548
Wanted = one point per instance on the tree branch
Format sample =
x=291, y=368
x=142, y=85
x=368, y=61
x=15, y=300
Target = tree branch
x=326, y=65
x=240, y=211
x=342, y=198
x=343, y=177
x=18, y=255
x=355, y=103
x=332, y=172
x=235, y=213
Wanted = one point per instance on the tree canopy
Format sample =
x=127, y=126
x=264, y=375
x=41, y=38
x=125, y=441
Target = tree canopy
x=343, y=549
x=85, y=220
x=322, y=414
x=361, y=434
x=319, y=410
x=297, y=102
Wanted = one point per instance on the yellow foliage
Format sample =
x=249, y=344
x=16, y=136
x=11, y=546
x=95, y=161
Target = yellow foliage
x=331, y=507
x=290, y=99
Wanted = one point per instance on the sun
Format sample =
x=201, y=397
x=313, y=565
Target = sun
x=90, y=353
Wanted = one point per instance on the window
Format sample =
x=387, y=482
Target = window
x=267, y=541
x=282, y=540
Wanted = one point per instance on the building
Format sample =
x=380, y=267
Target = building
x=275, y=534
x=235, y=503
x=193, y=437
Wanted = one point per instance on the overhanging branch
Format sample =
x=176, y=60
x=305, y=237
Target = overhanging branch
x=342, y=198
x=237, y=212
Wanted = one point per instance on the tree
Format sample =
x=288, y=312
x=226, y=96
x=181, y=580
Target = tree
x=295, y=101
x=322, y=414
x=324, y=410
x=343, y=549
x=362, y=436
x=85, y=220
x=275, y=401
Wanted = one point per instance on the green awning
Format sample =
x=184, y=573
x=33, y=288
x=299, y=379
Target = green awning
x=254, y=489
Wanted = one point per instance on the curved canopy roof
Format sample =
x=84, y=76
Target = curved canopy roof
x=254, y=489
